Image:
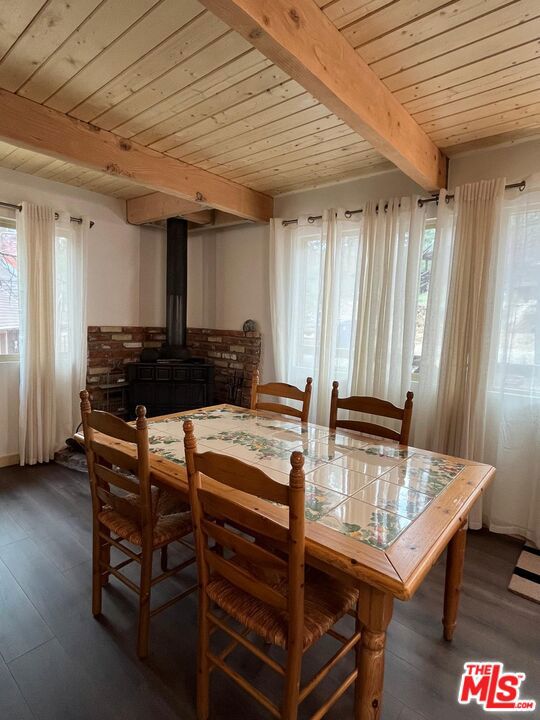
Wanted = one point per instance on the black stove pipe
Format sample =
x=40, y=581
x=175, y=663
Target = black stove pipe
x=177, y=234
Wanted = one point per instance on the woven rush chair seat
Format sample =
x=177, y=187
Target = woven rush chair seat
x=325, y=602
x=167, y=527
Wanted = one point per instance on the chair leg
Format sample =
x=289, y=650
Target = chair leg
x=203, y=666
x=292, y=684
x=96, y=570
x=164, y=557
x=144, y=604
x=105, y=558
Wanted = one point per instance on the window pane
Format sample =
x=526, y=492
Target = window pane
x=423, y=292
x=9, y=294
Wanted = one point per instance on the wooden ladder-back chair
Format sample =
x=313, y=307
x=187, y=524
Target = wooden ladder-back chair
x=372, y=406
x=281, y=390
x=255, y=575
x=128, y=510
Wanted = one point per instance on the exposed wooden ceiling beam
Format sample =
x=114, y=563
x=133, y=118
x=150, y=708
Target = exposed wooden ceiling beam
x=159, y=206
x=29, y=125
x=298, y=37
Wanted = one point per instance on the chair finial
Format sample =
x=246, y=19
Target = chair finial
x=297, y=476
x=190, y=441
x=140, y=412
x=85, y=401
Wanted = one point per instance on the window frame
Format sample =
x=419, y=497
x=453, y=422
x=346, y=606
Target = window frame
x=8, y=357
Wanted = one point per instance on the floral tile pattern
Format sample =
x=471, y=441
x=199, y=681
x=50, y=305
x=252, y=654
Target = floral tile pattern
x=395, y=498
x=365, y=523
x=319, y=501
x=168, y=447
x=367, y=490
x=320, y=450
x=340, y=479
x=417, y=479
x=368, y=464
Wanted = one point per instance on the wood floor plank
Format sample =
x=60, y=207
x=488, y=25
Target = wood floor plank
x=13, y=706
x=64, y=664
x=21, y=627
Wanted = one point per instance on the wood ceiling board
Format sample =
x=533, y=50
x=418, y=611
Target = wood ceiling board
x=287, y=115
x=513, y=94
x=168, y=73
x=346, y=12
x=289, y=150
x=315, y=171
x=216, y=91
x=440, y=19
x=326, y=65
x=508, y=137
x=464, y=57
x=107, y=23
x=38, y=128
x=396, y=18
x=513, y=15
x=14, y=22
x=473, y=87
x=322, y=180
x=479, y=130
x=486, y=113
x=482, y=70
x=250, y=113
x=151, y=30
x=56, y=21
x=259, y=141
x=341, y=148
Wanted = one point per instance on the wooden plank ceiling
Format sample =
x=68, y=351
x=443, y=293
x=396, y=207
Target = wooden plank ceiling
x=170, y=75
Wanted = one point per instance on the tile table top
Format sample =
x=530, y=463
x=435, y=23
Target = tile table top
x=368, y=490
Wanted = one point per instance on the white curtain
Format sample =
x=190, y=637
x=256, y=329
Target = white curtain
x=479, y=388
x=52, y=301
x=512, y=438
x=343, y=300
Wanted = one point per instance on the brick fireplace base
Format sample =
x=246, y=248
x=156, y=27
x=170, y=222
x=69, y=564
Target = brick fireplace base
x=234, y=353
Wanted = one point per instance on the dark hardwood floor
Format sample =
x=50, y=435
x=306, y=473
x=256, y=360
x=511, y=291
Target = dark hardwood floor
x=58, y=663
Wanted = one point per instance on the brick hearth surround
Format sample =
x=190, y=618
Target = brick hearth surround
x=231, y=351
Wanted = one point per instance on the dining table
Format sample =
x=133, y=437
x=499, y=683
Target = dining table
x=379, y=515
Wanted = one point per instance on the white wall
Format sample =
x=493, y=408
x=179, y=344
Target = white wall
x=113, y=270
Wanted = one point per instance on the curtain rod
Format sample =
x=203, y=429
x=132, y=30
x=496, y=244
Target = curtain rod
x=56, y=215
x=434, y=198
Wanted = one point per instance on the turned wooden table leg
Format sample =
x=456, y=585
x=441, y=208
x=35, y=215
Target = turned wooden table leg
x=374, y=614
x=455, y=558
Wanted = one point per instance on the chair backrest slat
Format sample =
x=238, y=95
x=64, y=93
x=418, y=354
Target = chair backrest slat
x=115, y=456
x=371, y=406
x=111, y=425
x=223, y=508
x=370, y=429
x=240, y=475
x=115, y=478
x=245, y=580
x=251, y=552
x=281, y=390
x=258, y=570
x=102, y=458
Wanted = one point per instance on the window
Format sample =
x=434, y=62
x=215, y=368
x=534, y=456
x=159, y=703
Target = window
x=517, y=366
x=9, y=295
x=423, y=290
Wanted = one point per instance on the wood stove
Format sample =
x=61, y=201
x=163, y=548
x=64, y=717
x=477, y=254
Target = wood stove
x=171, y=380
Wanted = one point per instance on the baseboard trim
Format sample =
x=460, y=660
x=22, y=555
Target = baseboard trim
x=7, y=460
